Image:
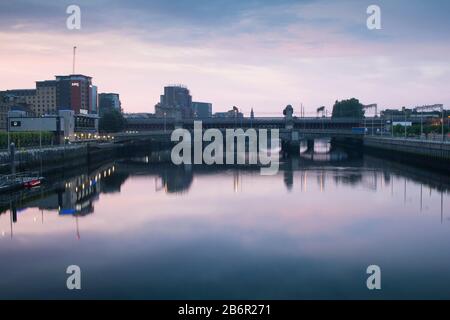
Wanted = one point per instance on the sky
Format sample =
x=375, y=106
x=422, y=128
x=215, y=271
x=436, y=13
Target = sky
x=256, y=54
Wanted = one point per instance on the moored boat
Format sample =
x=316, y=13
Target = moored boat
x=34, y=182
x=13, y=182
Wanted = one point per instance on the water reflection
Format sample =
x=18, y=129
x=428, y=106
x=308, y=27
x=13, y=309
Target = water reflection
x=227, y=231
x=75, y=196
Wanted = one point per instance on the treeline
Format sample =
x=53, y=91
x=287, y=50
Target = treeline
x=415, y=130
x=26, y=139
x=350, y=108
x=111, y=121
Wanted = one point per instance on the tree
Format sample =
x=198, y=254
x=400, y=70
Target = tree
x=112, y=121
x=351, y=108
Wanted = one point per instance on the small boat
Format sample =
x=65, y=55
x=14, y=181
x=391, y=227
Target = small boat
x=34, y=182
x=18, y=181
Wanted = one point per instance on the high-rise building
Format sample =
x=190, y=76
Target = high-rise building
x=94, y=99
x=175, y=102
x=108, y=102
x=73, y=92
x=202, y=110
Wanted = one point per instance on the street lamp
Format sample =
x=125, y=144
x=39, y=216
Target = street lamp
x=442, y=110
x=392, y=124
x=165, y=122
x=404, y=123
x=8, y=129
x=421, y=123
x=448, y=122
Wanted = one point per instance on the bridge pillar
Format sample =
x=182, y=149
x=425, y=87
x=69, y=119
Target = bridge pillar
x=291, y=144
x=310, y=145
x=289, y=121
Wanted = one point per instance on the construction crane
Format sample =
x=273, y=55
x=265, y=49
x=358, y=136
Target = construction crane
x=321, y=110
x=432, y=107
x=372, y=106
x=429, y=107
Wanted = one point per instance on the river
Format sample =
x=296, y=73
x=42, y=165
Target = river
x=141, y=228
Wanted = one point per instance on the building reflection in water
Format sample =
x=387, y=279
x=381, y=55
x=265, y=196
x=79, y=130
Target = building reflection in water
x=73, y=197
x=237, y=186
x=322, y=164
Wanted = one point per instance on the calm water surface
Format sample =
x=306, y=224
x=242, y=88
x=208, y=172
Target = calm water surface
x=146, y=230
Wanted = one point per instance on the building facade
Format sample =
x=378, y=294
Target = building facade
x=72, y=92
x=45, y=99
x=10, y=102
x=176, y=102
x=232, y=113
x=64, y=125
x=109, y=102
x=94, y=99
x=22, y=96
x=202, y=110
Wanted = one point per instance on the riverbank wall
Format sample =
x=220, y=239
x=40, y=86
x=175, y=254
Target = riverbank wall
x=53, y=158
x=432, y=154
x=423, y=153
x=421, y=148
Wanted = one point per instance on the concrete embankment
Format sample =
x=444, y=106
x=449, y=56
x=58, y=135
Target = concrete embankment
x=56, y=157
x=430, y=153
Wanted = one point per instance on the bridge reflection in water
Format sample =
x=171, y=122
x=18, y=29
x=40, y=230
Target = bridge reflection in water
x=147, y=228
x=318, y=163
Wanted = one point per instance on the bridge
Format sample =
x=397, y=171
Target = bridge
x=311, y=124
x=294, y=130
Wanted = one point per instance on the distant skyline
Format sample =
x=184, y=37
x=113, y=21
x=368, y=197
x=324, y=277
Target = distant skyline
x=253, y=54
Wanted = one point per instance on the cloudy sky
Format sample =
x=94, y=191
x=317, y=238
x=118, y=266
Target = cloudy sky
x=250, y=53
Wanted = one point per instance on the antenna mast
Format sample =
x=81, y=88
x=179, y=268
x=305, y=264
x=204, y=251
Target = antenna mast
x=74, y=54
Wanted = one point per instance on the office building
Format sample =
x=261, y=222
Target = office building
x=23, y=96
x=10, y=102
x=45, y=99
x=64, y=125
x=202, y=110
x=176, y=102
x=73, y=92
x=94, y=99
x=108, y=102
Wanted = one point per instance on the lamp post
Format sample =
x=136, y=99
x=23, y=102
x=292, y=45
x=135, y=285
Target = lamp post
x=365, y=125
x=421, y=123
x=442, y=125
x=392, y=124
x=165, y=122
x=40, y=144
x=404, y=123
x=8, y=129
x=373, y=125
